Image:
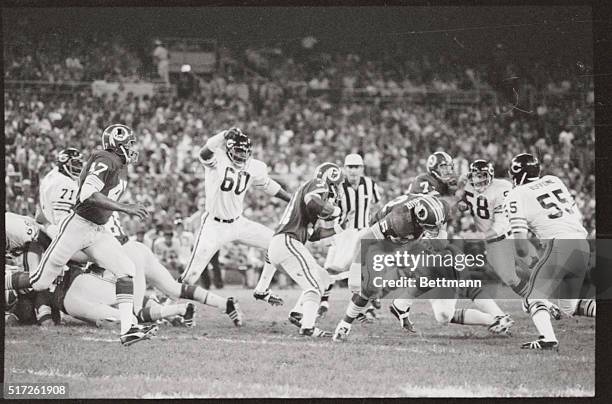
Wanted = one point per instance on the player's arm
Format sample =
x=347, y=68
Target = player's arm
x=317, y=203
x=207, y=152
x=91, y=192
x=518, y=223
x=325, y=229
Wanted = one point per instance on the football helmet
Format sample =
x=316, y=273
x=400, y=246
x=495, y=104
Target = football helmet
x=524, y=168
x=480, y=174
x=121, y=140
x=330, y=173
x=440, y=165
x=430, y=212
x=238, y=145
x=70, y=162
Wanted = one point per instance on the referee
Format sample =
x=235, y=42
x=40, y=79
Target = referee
x=358, y=196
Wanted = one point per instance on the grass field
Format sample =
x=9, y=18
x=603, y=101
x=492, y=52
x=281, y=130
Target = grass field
x=266, y=358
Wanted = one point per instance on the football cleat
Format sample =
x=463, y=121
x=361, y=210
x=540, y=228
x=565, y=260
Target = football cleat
x=502, y=325
x=138, y=333
x=541, y=344
x=233, y=311
x=403, y=318
x=555, y=311
x=295, y=318
x=188, y=317
x=323, y=309
x=314, y=332
x=341, y=333
x=376, y=303
x=269, y=298
x=368, y=317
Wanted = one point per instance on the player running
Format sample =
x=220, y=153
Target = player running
x=544, y=206
x=102, y=182
x=311, y=202
x=229, y=173
x=409, y=218
x=440, y=178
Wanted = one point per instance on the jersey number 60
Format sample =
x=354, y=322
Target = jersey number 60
x=236, y=182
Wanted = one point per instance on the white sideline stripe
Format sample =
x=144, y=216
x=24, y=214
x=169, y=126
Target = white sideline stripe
x=299, y=340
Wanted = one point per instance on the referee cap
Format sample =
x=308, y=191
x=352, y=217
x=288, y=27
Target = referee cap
x=353, y=160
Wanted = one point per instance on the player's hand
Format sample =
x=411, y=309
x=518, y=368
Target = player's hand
x=462, y=206
x=136, y=209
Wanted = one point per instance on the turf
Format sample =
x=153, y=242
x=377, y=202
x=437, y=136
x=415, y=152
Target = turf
x=266, y=357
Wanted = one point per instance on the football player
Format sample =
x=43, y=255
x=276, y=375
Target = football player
x=440, y=178
x=287, y=251
x=148, y=268
x=58, y=189
x=409, y=218
x=544, y=206
x=229, y=173
x=484, y=197
x=102, y=182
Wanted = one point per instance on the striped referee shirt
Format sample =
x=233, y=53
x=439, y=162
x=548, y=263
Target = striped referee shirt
x=359, y=200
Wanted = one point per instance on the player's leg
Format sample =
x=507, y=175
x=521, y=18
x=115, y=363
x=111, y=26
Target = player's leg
x=107, y=252
x=501, y=255
x=157, y=275
x=582, y=307
x=400, y=308
x=358, y=303
x=257, y=235
x=545, y=278
x=89, y=298
x=210, y=238
x=292, y=256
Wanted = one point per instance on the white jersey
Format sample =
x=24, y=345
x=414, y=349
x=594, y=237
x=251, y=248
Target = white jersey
x=19, y=230
x=487, y=207
x=546, y=208
x=58, y=194
x=226, y=185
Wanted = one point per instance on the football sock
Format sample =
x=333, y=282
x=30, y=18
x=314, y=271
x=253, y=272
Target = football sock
x=155, y=311
x=327, y=292
x=488, y=306
x=310, y=304
x=402, y=304
x=586, y=307
x=266, y=276
x=17, y=280
x=472, y=317
x=541, y=319
x=356, y=306
x=196, y=293
x=213, y=300
x=520, y=288
x=124, y=289
x=298, y=305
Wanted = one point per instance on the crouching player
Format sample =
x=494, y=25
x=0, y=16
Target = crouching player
x=310, y=203
x=410, y=218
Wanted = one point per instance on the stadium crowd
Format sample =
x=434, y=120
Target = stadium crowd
x=295, y=119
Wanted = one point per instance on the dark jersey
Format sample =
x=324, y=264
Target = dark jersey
x=298, y=217
x=108, y=173
x=427, y=183
x=396, y=220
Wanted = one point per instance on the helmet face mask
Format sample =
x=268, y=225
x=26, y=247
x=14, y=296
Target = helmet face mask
x=239, y=147
x=70, y=162
x=440, y=165
x=121, y=140
x=480, y=175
